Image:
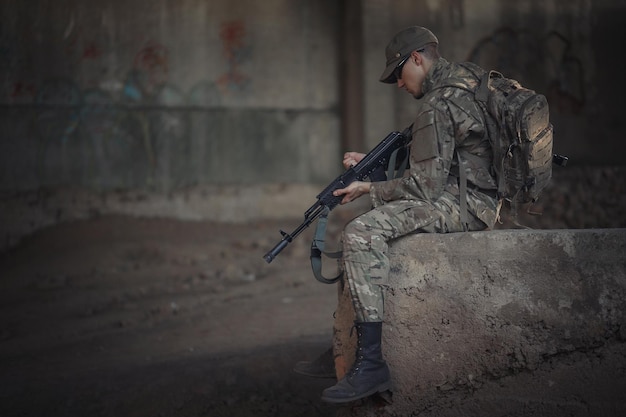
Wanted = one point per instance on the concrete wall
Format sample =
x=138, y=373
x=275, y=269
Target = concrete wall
x=159, y=98
x=501, y=323
x=161, y=94
x=164, y=94
x=564, y=49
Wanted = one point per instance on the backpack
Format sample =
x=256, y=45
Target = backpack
x=520, y=132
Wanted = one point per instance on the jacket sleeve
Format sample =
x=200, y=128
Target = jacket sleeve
x=432, y=150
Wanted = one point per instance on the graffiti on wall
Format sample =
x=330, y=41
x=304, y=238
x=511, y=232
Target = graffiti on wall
x=149, y=72
x=236, y=51
x=140, y=120
x=545, y=63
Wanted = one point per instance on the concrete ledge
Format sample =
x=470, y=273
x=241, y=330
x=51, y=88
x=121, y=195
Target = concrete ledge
x=508, y=322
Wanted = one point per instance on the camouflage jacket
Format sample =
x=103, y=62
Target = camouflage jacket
x=448, y=121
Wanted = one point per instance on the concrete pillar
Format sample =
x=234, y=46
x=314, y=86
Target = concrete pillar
x=351, y=76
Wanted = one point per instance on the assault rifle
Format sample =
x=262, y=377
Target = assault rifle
x=377, y=158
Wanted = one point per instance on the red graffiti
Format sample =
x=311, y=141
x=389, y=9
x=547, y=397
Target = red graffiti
x=151, y=65
x=91, y=51
x=233, y=35
x=21, y=89
x=153, y=57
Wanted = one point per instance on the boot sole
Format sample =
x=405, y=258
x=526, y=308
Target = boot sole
x=381, y=388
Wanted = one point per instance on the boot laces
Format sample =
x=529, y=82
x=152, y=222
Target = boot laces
x=359, y=352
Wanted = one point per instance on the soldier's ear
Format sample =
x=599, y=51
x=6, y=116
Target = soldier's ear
x=417, y=58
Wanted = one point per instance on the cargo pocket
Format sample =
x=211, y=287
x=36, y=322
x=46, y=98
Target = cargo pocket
x=379, y=262
x=409, y=216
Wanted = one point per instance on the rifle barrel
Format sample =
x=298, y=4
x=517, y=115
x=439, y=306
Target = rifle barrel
x=288, y=237
x=269, y=256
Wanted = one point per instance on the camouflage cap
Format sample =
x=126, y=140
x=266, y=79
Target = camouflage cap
x=402, y=44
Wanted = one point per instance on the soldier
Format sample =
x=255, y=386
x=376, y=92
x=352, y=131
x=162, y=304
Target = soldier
x=448, y=128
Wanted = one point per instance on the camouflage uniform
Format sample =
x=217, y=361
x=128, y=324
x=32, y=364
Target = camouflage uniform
x=426, y=199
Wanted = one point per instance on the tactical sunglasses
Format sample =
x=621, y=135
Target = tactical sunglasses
x=397, y=72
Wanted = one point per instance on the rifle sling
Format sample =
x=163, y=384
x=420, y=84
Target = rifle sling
x=317, y=249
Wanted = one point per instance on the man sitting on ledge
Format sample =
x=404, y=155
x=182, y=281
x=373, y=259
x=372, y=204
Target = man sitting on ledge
x=426, y=199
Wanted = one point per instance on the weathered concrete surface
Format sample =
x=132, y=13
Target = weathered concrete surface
x=507, y=322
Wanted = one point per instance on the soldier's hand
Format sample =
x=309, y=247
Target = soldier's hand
x=350, y=159
x=353, y=191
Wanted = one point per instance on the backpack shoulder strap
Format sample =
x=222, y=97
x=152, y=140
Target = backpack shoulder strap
x=484, y=77
x=481, y=94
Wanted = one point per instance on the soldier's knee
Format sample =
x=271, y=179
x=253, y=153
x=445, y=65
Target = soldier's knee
x=354, y=228
x=355, y=238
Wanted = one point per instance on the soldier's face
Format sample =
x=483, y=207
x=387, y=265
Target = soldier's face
x=412, y=75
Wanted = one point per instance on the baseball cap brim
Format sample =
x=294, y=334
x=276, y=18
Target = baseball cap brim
x=388, y=76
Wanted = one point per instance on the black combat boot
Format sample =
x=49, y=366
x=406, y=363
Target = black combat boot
x=322, y=367
x=369, y=373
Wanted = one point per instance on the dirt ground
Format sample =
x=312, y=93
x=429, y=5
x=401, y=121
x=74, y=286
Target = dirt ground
x=120, y=316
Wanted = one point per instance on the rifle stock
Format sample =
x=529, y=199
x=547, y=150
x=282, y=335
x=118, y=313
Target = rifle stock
x=326, y=201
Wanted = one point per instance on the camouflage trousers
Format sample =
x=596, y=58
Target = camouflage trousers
x=366, y=238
